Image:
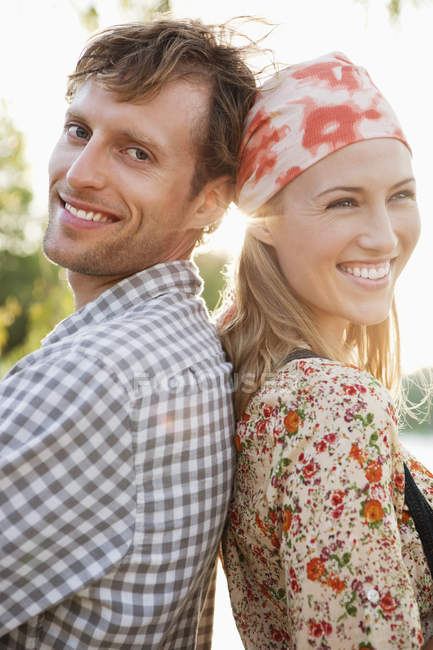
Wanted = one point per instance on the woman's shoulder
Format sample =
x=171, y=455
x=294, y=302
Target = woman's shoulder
x=322, y=383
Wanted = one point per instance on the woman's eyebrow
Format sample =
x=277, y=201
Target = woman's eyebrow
x=346, y=188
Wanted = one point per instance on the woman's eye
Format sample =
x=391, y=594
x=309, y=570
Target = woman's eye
x=77, y=131
x=404, y=194
x=341, y=203
x=137, y=154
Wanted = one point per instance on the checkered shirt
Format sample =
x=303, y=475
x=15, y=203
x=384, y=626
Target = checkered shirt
x=116, y=467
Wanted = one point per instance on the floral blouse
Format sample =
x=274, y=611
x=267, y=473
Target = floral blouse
x=320, y=550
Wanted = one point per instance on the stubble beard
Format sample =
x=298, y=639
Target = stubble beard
x=104, y=259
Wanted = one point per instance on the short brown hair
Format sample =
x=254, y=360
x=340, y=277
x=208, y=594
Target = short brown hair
x=135, y=60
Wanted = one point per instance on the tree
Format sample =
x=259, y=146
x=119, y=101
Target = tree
x=25, y=275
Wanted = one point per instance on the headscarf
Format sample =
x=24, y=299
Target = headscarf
x=301, y=115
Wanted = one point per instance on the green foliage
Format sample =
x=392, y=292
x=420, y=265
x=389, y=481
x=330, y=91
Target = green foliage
x=417, y=394
x=32, y=295
x=395, y=7
x=45, y=301
x=211, y=266
x=89, y=12
x=15, y=195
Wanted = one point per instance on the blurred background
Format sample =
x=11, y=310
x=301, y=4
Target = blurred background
x=39, y=44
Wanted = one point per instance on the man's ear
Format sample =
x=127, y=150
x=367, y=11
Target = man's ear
x=211, y=202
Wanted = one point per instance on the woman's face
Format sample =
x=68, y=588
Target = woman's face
x=349, y=224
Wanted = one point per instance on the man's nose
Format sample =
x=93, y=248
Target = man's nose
x=379, y=233
x=89, y=168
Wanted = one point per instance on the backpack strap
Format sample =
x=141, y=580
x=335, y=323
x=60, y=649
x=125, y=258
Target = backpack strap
x=422, y=515
x=302, y=353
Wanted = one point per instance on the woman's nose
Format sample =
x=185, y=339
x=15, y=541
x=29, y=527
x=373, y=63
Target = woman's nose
x=379, y=233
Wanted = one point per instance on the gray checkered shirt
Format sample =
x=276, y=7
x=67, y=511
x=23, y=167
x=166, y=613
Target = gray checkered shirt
x=116, y=467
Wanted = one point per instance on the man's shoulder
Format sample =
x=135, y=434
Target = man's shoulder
x=161, y=334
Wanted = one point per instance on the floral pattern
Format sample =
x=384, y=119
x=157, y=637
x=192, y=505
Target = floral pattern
x=319, y=549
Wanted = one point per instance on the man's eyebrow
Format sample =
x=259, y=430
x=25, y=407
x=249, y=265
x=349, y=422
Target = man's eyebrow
x=126, y=134
x=346, y=188
x=139, y=138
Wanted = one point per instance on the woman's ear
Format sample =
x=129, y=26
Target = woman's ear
x=259, y=228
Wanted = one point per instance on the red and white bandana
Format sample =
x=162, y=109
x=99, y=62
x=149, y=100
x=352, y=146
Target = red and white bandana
x=302, y=114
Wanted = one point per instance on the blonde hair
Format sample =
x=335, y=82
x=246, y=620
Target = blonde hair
x=261, y=321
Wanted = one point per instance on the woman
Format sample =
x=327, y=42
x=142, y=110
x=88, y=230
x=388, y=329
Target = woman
x=320, y=550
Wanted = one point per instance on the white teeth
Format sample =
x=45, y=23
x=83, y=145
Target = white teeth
x=370, y=273
x=87, y=216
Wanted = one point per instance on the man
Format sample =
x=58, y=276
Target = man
x=115, y=437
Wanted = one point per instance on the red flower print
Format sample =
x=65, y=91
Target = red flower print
x=315, y=628
x=360, y=388
x=337, y=497
x=349, y=390
x=272, y=516
x=291, y=421
x=245, y=417
x=294, y=584
x=373, y=511
x=357, y=454
x=238, y=443
x=296, y=524
x=399, y=481
x=310, y=469
x=315, y=569
x=336, y=514
x=405, y=516
x=330, y=438
x=267, y=411
x=326, y=627
x=335, y=583
x=261, y=427
x=236, y=520
x=387, y=603
x=263, y=527
x=275, y=541
x=320, y=446
x=287, y=522
x=373, y=472
x=277, y=635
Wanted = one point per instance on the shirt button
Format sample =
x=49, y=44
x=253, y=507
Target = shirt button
x=373, y=596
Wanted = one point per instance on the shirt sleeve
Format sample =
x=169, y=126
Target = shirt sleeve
x=334, y=482
x=67, y=499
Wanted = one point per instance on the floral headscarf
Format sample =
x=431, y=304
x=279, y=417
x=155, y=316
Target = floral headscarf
x=302, y=114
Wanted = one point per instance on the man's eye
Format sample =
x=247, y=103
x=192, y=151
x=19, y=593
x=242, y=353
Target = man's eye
x=77, y=131
x=137, y=154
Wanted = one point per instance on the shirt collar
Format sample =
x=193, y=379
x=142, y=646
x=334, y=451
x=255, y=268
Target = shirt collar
x=180, y=275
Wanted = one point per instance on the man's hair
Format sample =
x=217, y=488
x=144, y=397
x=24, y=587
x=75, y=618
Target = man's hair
x=136, y=60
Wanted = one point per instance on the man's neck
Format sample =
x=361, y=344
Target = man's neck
x=88, y=287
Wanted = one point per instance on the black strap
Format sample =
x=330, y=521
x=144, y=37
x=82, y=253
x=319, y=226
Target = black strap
x=422, y=515
x=419, y=508
x=301, y=353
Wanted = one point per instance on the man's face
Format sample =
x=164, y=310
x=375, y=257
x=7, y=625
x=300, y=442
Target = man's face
x=120, y=180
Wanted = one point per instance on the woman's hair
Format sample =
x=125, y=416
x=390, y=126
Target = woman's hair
x=261, y=320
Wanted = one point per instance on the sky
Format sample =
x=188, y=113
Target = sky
x=40, y=41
